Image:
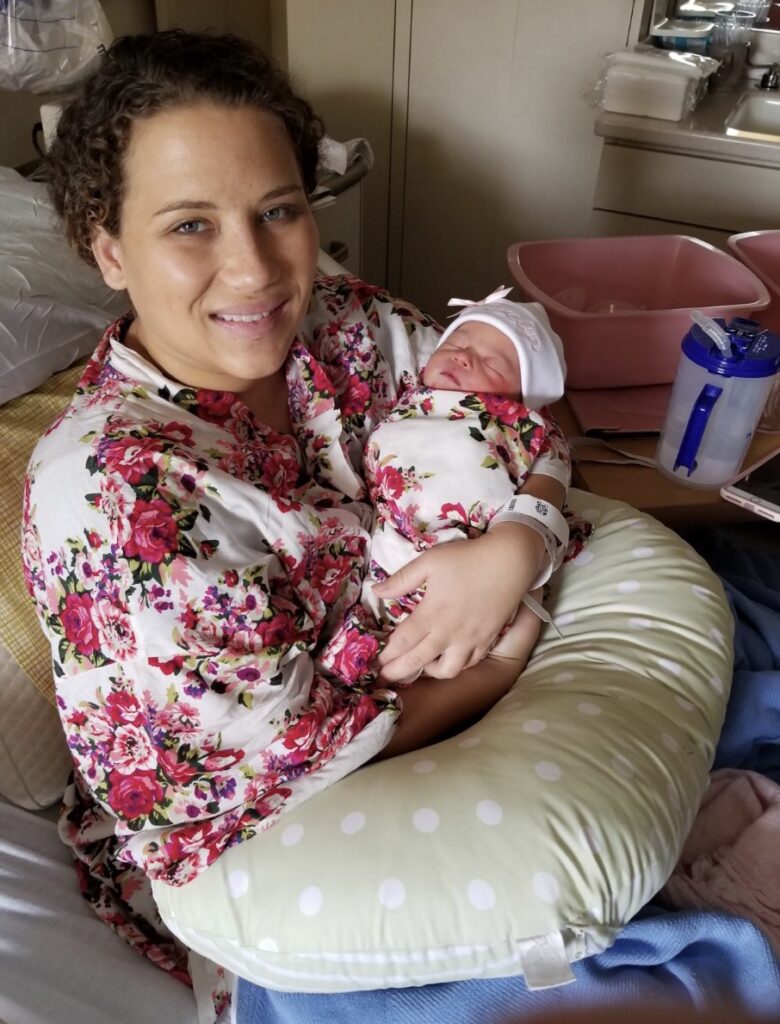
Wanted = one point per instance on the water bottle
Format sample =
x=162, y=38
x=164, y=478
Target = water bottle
x=724, y=376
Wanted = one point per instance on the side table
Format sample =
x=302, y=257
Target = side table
x=674, y=504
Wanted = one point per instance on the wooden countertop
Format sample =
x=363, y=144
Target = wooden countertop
x=649, y=490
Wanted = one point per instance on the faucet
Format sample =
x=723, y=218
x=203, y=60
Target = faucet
x=771, y=78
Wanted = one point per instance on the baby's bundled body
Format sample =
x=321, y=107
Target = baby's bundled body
x=453, y=454
x=438, y=469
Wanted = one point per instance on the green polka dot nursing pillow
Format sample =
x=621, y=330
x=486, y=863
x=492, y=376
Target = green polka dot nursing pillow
x=525, y=842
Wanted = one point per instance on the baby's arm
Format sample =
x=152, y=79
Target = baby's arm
x=548, y=480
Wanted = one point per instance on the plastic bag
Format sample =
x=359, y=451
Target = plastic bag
x=652, y=82
x=47, y=45
x=53, y=307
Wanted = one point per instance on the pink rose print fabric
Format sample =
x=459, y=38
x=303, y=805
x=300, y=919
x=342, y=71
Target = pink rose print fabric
x=438, y=468
x=187, y=565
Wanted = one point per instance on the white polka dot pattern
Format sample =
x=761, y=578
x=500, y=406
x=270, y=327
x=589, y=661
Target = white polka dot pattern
x=548, y=770
x=489, y=812
x=292, y=834
x=545, y=887
x=310, y=901
x=238, y=884
x=469, y=743
x=629, y=586
x=352, y=823
x=481, y=894
x=425, y=819
x=534, y=725
x=392, y=893
x=589, y=709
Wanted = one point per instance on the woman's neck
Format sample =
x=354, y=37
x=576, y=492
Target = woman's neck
x=268, y=401
x=266, y=398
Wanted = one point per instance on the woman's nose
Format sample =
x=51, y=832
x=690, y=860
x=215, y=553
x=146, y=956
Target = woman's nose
x=249, y=259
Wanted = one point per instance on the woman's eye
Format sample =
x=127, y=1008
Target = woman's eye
x=278, y=213
x=189, y=227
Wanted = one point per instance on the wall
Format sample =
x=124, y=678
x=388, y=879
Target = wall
x=248, y=18
x=340, y=55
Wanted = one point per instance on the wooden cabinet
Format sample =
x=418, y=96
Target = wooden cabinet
x=498, y=138
x=644, y=191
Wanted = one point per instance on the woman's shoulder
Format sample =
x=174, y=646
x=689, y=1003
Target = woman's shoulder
x=345, y=294
x=345, y=309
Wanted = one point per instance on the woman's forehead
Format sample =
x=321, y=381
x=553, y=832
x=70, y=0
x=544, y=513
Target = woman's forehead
x=208, y=148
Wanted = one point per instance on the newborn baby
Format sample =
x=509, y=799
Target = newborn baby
x=457, y=448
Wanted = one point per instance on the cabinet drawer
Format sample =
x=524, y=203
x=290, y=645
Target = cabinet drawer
x=691, y=190
x=605, y=223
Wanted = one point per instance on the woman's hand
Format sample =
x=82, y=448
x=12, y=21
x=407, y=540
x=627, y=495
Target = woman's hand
x=472, y=589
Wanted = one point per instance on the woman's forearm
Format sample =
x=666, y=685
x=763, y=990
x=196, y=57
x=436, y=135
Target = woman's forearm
x=434, y=708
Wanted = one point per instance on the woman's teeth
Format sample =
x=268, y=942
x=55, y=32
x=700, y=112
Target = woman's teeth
x=242, y=318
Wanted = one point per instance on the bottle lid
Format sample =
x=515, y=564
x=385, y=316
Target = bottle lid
x=755, y=352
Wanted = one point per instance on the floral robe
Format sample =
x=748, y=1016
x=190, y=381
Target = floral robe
x=186, y=563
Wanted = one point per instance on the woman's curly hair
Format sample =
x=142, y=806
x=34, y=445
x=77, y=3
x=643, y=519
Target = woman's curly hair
x=139, y=76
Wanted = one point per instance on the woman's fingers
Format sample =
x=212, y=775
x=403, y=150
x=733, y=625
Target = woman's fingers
x=430, y=654
x=405, y=581
x=408, y=635
x=409, y=663
x=449, y=664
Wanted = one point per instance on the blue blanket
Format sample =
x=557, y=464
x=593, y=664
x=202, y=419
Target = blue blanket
x=686, y=957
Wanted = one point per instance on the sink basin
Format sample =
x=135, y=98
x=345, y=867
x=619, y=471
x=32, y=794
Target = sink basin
x=756, y=117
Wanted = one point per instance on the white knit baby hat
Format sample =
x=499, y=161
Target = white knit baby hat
x=539, y=349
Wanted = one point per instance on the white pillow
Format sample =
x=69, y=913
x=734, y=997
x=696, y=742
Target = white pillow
x=53, y=307
x=58, y=960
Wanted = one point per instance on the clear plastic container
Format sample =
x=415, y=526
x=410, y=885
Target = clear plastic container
x=729, y=44
x=651, y=83
x=622, y=305
x=716, y=402
x=684, y=34
x=702, y=8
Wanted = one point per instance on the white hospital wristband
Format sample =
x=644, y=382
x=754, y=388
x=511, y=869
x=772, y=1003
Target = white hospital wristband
x=556, y=469
x=544, y=519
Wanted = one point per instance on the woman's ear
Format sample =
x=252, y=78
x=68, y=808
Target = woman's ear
x=108, y=255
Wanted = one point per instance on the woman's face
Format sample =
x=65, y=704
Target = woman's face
x=217, y=244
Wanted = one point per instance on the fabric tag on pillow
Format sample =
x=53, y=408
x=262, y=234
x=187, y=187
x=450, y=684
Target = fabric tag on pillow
x=544, y=961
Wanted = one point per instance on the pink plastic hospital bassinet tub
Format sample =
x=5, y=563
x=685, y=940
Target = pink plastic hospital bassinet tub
x=621, y=305
x=760, y=251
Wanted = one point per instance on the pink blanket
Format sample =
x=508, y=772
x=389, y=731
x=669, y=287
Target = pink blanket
x=731, y=859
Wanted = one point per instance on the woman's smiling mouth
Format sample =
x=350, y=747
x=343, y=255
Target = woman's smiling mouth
x=250, y=323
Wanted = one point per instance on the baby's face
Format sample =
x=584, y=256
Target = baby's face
x=475, y=357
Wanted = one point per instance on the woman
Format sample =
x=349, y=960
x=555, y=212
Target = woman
x=195, y=526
